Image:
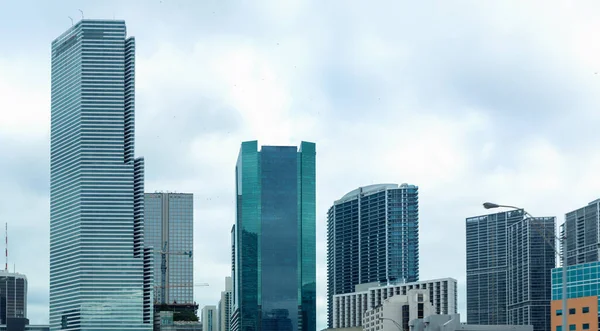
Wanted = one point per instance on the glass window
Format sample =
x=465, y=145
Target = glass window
x=572, y=327
x=586, y=326
x=559, y=328
x=559, y=312
x=585, y=310
x=572, y=311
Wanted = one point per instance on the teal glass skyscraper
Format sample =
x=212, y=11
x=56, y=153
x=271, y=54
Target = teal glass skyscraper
x=100, y=270
x=274, y=267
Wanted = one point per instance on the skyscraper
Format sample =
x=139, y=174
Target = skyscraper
x=372, y=236
x=274, y=269
x=169, y=229
x=224, y=309
x=100, y=277
x=13, y=296
x=582, y=240
x=531, y=259
x=508, y=269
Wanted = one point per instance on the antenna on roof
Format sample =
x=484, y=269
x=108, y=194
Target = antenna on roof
x=81, y=11
x=71, y=20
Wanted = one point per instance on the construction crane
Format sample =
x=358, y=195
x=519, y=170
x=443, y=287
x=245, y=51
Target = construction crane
x=163, y=268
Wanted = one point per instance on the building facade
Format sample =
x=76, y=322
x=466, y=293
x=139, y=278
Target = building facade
x=372, y=236
x=167, y=322
x=224, y=309
x=487, y=264
x=98, y=280
x=583, y=297
x=530, y=261
x=508, y=261
x=21, y=324
x=13, y=296
x=349, y=308
x=274, y=269
x=169, y=229
x=582, y=237
x=210, y=318
x=398, y=309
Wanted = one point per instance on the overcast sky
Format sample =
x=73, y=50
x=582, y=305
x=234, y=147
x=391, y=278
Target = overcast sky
x=469, y=100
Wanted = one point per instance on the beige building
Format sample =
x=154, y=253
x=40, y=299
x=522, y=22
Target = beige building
x=348, y=309
x=395, y=312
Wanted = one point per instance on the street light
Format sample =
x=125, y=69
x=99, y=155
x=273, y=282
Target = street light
x=562, y=239
x=393, y=321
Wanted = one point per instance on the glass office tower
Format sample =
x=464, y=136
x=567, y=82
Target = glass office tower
x=169, y=227
x=100, y=270
x=372, y=236
x=531, y=259
x=487, y=265
x=13, y=296
x=274, y=269
x=508, y=267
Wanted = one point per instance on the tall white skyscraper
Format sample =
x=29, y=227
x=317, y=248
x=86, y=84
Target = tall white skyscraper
x=100, y=270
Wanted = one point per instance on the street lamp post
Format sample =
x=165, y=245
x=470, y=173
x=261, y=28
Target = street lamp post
x=393, y=321
x=489, y=205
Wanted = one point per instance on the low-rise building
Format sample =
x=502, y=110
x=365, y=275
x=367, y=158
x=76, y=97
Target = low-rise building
x=358, y=328
x=452, y=323
x=166, y=323
x=583, y=291
x=348, y=309
x=395, y=312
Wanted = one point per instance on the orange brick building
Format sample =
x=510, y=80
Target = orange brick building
x=582, y=314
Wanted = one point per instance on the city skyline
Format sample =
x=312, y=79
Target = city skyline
x=467, y=142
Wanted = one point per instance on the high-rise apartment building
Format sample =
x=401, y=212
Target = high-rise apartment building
x=209, y=318
x=508, y=264
x=224, y=309
x=99, y=273
x=372, y=236
x=169, y=229
x=531, y=259
x=274, y=278
x=13, y=296
x=582, y=237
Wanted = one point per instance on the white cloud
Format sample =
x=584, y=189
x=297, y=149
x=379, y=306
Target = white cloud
x=23, y=105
